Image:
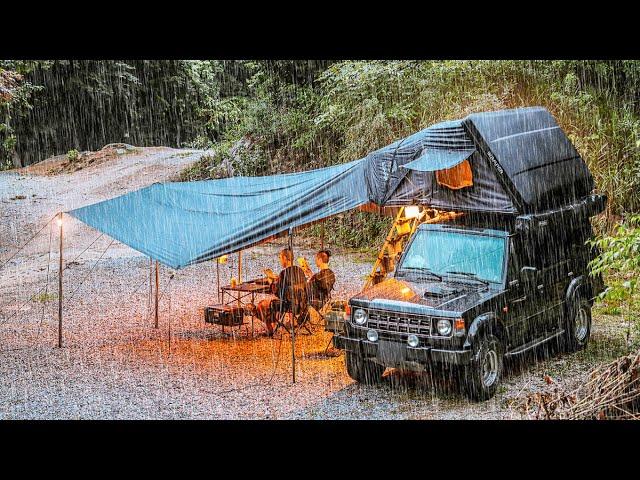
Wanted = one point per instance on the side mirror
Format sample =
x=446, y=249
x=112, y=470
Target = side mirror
x=529, y=274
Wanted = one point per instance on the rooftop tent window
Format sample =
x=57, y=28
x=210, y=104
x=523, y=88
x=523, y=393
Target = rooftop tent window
x=432, y=159
x=456, y=177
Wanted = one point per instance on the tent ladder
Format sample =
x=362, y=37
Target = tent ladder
x=401, y=231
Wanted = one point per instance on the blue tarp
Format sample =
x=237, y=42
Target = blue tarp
x=184, y=223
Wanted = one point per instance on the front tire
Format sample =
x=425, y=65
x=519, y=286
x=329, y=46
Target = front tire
x=578, y=326
x=363, y=371
x=484, y=373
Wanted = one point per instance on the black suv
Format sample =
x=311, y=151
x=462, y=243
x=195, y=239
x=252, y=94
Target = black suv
x=467, y=296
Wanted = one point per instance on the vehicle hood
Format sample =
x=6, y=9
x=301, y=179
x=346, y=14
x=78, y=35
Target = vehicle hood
x=429, y=297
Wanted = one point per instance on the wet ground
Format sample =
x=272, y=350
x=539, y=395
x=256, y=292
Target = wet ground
x=116, y=365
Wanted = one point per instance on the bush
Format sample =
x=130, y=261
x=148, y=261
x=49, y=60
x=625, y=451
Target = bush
x=620, y=261
x=73, y=155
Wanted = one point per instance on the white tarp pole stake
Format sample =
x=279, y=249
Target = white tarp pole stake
x=150, y=296
x=157, y=288
x=60, y=286
x=218, y=278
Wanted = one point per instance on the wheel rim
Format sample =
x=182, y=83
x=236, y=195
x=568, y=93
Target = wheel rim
x=489, y=368
x=581, y=324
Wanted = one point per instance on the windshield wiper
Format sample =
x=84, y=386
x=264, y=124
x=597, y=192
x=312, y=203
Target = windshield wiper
x=470, y=275
x=421, y=270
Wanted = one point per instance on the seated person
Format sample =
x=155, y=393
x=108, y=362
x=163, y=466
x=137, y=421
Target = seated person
x=320, y=284
x=290, y=281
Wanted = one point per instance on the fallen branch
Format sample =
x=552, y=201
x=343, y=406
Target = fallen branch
x=612, y=392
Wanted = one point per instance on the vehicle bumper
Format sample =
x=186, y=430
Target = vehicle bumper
x=402, y=353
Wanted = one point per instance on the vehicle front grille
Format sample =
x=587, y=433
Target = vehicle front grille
x=387, y=321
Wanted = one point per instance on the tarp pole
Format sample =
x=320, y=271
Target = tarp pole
x=60, y=286
x=218, y=277
x=293, y=327
x=240, y=266
x=150, y=286
x=157, y=288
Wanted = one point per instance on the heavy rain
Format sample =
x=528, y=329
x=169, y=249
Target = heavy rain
x=280, y=239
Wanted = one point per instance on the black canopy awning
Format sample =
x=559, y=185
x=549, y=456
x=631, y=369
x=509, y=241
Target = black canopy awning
x=520, y=160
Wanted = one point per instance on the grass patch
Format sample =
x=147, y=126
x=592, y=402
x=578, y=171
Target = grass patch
x=45, y=297
x=612, y=310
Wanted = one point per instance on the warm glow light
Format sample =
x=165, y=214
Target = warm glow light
x=459, y=324
x=222, y=259
x=59, y=220
x=412, y=211
x=405, y=291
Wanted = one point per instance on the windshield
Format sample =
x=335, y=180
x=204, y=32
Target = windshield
x=443, y=253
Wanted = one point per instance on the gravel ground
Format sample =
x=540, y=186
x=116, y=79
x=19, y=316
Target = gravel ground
x=116, y=365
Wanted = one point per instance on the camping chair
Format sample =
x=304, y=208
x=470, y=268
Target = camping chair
x=297, y=309
x=320, y=306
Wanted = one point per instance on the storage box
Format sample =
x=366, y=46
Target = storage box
x=226, y=315
x=334, y=318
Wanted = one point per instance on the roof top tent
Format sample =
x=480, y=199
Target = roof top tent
x=515, y=163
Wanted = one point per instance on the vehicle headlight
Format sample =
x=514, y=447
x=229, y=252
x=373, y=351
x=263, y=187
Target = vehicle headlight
x=372, y=336
x=360, y=316
x=444, y=327
x=413, y=341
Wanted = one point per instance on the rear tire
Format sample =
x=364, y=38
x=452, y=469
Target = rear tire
x=578, y=325
x=363, y=371
x=482, y=377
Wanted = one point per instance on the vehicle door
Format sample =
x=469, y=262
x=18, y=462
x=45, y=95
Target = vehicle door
x=556, y=271
x=521, y=296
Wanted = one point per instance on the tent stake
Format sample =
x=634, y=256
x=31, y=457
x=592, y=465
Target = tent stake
x=293, y=308
x=60, y=286
x=157, y=288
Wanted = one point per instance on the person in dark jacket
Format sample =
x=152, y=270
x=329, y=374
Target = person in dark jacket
x=289, y=290
x=320, y=284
